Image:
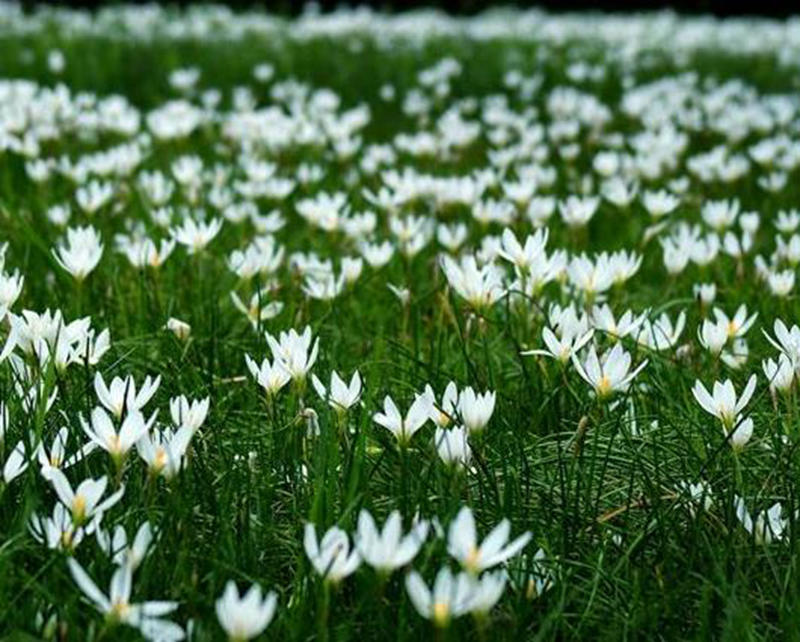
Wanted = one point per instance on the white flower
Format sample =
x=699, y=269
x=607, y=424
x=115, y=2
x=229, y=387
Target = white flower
x=245, y=617
x=462, y=543
x=524, y=257
x=163, y=450
x=485, y=591
x=100, y=431
x=449, y=598
x=145, y=616
x=196, y=235
x=57, y=457
x=179, y=328
x=787, y=341
x=741, y=434
x=94, y=195
x=768, y=525
x=401, y=427
x=480, y=287
x=713, y=336
x=57, y=532
x=780, y=374
x=403, y=294
x=122, y=394
x=10, y=289
x=388, y=549
x=259, y=309
x=577, y=211
x=610, y=374
x=331, y=557
x=699, y=495
x=16, y=463
x=604, y=321
x=591, y=276
x=84, y=502
x=340, y=396
x=720, y=215
x=540, y=578
x=659, y=203
x=781, y=283
x=191, y=414
x=705, y=292
x=475, y=409
x=443, y=414
x=295, y=351
x=661, y=334
x=452, y=446
x=722, y=401
x=116, y=546
x=81, y=252
x=739, y=324
x=143, y=252
x=271, y=377
x=561, y=348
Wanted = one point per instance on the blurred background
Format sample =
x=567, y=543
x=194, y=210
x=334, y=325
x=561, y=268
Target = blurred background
x=722, y=8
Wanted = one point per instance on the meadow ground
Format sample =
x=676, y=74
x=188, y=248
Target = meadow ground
x=410, y=326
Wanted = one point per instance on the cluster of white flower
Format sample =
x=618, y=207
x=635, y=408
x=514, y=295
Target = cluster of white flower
x=598, y=238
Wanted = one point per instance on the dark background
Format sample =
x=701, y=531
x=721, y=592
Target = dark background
x=722, y=8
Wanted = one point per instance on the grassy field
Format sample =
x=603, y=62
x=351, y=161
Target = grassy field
x=267, y=285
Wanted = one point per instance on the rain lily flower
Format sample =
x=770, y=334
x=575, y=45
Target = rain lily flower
x=452, y=446
x=443, y=414
x=609, y=374
x=524, y=257
x=604, y=321
x=741, y=433
x=163, y=450
x=84, y=502
x=295, y=351
x=191, y=414
x=81, y=252
x=739, y=324
x=780, y=374
x=401, y=427
x=259, y=309
x=122, y=394
x=57, y=532
x=388, y=549
x=340, y=396
x=485, y=591
x=117, y=608
x=462, y=543
x=331, y=557
x=787, y=341
x=271, y=377
x=722, y=402
x=57, y=457
x=116, y=546
x=245, y=617
x=713, y=336
x=561, y=348
x=768, y=525
x=661, y=334
x=476, y=409
x=100, y=431
x=179, y=328
x=16, y=463
x=479, y=287
x=699, y=495
x=449, y=598
x=196, y=235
